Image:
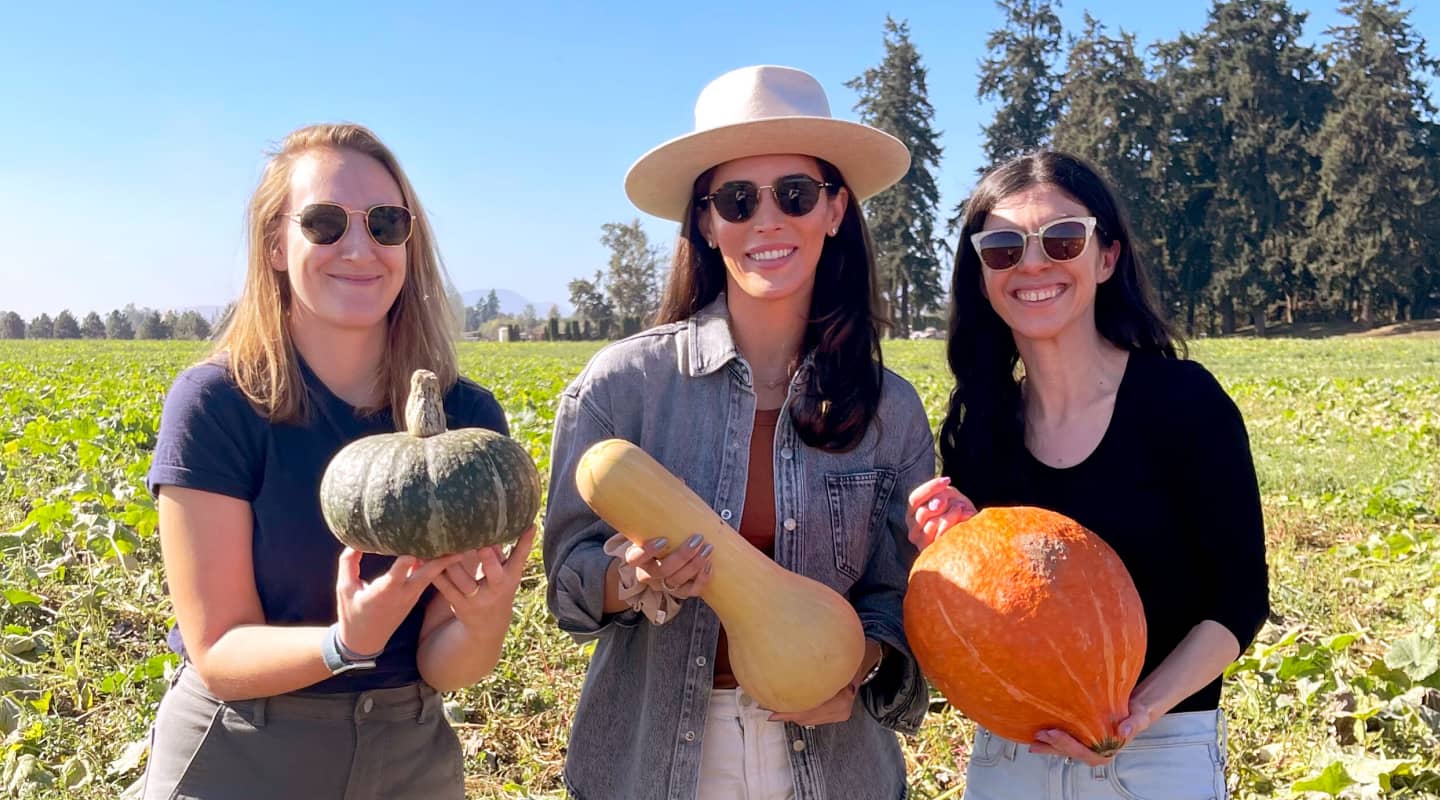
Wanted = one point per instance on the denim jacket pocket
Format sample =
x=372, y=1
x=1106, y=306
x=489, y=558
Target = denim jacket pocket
x=857, y=507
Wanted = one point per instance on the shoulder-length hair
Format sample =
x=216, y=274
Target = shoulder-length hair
x=985, y=405
x=842, y=392
x=255, y=343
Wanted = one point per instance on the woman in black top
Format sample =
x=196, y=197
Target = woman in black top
x=1110, y=426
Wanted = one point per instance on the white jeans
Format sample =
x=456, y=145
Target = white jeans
x=743, y=755
x=1180, y=757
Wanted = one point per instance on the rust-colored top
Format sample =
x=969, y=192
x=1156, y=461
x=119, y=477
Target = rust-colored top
x=757, y=522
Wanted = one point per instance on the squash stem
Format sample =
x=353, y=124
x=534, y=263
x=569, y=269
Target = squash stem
x=1107, y=747
x=424, y=413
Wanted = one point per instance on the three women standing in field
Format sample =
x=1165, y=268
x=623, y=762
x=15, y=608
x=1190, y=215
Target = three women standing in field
x=764, y=388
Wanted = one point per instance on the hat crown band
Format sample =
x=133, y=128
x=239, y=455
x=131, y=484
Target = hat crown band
x=757, y=94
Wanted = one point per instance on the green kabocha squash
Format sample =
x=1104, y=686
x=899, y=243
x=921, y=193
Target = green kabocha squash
x=426, y=491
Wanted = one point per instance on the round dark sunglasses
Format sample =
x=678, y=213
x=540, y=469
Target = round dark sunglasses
x=1061, y=240
x=326, y=223
x=737, y=201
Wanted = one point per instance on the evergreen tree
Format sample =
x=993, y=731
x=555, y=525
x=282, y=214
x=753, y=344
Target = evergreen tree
x=1020, y=76
x=191, y=325
x=1115, y=117
x=65, y=326
x=491, y=307
x=152, y=327
x=117, y=326
x=11, y=326
x=1184, y=173
x=1377, y=193
x=41, y=327
x=92, y=327
x=895, y=99
x=1269, y=100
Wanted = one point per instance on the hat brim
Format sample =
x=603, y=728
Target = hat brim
x=660, y=182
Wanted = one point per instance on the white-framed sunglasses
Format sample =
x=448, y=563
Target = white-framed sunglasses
x=1061, y=240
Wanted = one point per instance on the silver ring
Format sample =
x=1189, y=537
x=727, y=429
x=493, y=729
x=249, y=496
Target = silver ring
x=667, y=587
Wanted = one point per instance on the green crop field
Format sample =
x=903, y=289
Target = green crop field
x=1340, y=696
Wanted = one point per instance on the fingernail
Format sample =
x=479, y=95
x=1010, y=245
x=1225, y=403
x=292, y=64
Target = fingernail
x=659, y=544
x=945, y=481
x=707, y=568
x=707, y=550
x=1125, y=731
x=694, y=541
x=935, y=504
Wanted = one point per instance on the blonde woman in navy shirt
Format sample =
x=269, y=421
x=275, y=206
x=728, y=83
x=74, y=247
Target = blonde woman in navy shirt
x=310, y=671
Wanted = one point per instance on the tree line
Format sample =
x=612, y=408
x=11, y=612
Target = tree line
x=1267, y=180
x=127, y=323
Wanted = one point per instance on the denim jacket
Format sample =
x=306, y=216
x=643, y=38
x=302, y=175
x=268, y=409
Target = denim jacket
x=684, y=394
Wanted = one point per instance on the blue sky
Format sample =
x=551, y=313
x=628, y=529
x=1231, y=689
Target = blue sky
x=131, y=135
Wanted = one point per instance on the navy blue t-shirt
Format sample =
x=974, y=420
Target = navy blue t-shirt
x=212, y=439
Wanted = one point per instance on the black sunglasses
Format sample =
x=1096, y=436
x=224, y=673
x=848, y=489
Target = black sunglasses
x=326, y=223
x=737, y=201
x=1061, y=240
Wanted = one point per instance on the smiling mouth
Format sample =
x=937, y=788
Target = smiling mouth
x=356, y=278
x=773, y=254
x=1038, y=295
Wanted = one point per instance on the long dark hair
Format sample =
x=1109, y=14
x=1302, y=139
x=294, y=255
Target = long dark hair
x=985, y=409
x=842, y=392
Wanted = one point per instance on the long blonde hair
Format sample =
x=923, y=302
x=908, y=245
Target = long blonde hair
x=255, y=343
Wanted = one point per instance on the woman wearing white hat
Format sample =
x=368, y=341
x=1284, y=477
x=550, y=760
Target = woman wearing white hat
x=763, y=388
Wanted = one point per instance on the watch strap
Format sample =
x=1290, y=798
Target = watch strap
x=338, y=657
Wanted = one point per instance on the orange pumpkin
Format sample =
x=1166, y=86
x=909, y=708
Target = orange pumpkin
x=1027, y=621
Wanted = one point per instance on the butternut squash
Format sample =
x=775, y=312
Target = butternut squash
x=794, y=642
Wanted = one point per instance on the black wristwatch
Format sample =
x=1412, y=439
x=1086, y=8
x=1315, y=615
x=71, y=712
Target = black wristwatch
x=341, y=659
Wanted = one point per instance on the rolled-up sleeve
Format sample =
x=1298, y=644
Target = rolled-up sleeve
x=898, y=696
x=575, y=563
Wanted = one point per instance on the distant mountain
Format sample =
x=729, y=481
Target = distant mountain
x=514, y=303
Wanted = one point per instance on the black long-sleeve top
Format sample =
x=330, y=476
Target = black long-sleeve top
x=1172, y=488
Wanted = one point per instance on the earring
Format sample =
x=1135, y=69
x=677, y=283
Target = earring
x=710, y=242
x=834, y=230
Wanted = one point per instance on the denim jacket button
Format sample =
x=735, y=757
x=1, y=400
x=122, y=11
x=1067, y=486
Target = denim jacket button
x=790, y=524
x=689, y=736
x=700, y=662
x=725, y=513
x=786, y=453
x=798, y=745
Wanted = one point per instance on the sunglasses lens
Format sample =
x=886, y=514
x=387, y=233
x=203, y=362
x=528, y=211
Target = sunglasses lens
x=736, y=201
x=389, y=225
x=1002, y=249
x=322, y=223
x=797, y=194
x=1064, y=241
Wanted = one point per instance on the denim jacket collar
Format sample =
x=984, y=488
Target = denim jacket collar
x=711, y=344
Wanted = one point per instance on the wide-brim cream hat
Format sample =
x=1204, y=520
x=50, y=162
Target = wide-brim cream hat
x=756, y=111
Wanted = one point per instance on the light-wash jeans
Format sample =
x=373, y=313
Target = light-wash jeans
x=744, y=756
x=1181, y=757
